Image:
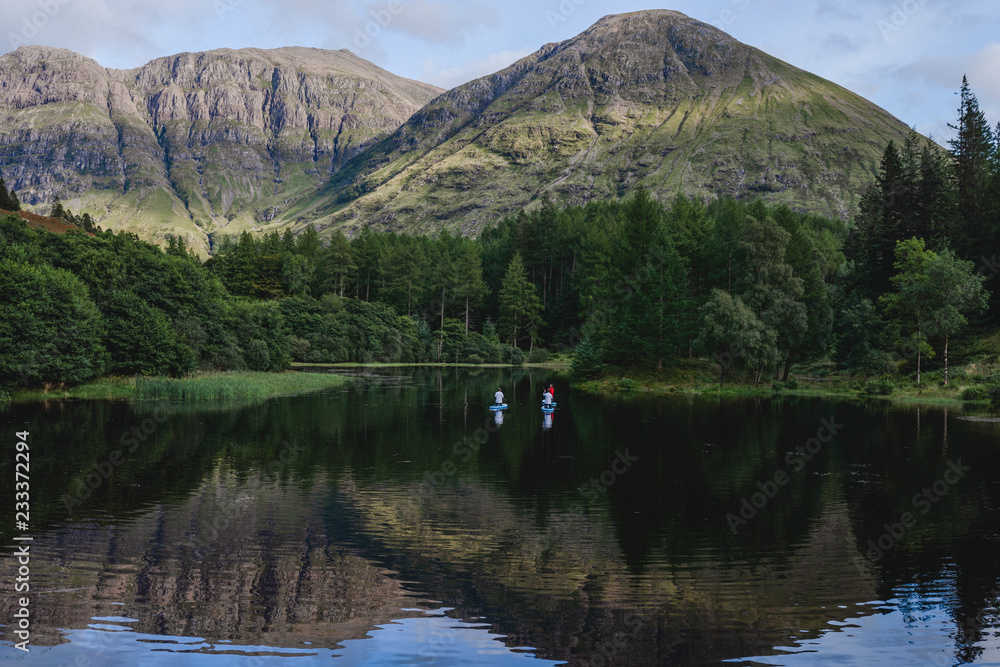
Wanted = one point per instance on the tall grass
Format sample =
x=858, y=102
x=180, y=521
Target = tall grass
x=201, y=386
x=214, y=386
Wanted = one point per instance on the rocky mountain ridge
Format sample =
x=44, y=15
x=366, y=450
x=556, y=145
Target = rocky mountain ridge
x=199, y=144
x=652, y=98
x=191, y=143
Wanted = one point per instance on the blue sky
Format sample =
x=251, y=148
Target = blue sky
x=908, y=56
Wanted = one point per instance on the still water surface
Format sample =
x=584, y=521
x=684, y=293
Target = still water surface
x=395, y=521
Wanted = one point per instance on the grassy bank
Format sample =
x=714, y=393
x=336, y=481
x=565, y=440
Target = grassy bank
x=694, y=376
x=200, y=386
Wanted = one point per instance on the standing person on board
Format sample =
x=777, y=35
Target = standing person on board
x=499, y=396
x=552, y=392
x=547, y=399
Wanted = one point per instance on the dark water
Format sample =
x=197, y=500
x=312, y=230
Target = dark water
x=394, y=522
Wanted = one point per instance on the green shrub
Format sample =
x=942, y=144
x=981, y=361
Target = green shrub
x=790, y=385
x=975, y=394
x=516, y=356
x=627, y=385
x=881, y=386
x=994, y=393
x=539, y=355
x=474, y=359
x=588, y=359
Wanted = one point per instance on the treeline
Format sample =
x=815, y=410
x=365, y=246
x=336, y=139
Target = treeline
x=79, y=306
x=8, y=198
x=922, y=250
x=628, y=277
x=755, y=288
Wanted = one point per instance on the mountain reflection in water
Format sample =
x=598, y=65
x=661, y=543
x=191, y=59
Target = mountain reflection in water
x=396, y=522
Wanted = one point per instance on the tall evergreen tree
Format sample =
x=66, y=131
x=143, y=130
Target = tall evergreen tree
x=972, y=151
x=878, y=225
x=338, y=263
x=5, y=201
x=469, y=286
x=520, y=307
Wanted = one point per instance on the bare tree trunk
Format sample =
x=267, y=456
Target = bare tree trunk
x=919, y=340
x=946, y=361
x=441, y=337
x=466, y=314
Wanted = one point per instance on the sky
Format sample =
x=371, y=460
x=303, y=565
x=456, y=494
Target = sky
x=907, y=56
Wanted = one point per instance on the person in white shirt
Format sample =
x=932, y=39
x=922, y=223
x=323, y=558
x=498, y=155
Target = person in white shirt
x=499, y=396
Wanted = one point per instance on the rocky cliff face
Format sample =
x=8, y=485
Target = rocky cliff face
x=653, y=98
x=195, y=142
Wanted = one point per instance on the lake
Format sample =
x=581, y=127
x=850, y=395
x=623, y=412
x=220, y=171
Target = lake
x=397, y=521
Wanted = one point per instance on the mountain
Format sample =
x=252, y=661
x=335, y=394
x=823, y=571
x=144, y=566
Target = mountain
x=653, y=98
x=191, y=143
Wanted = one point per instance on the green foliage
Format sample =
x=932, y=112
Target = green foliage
x=588, y=360
x=140, y=339
x=221, y=386
x=50, y=331
x=735, y=337
x=520, y=307
x=881, y=386
x=976, y=393
x=8, y=199
x=539, y=355
x=626, y=385
x=994, y=394
x=787, y=385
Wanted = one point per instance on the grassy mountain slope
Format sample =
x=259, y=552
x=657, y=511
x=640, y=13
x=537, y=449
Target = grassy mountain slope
x=192, y=143
x=652, y=98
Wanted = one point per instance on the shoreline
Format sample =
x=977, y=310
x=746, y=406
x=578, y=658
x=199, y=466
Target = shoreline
x=196, y=387
x=626, y=386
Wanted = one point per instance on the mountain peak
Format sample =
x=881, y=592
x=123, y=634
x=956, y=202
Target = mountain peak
x=191, y=143
x=652, y=98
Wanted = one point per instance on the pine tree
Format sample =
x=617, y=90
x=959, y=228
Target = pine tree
x=973, y=155
x=5, y=202
x=338, y=263
x=57, y=210
x=469, y=287
x=877, y=227
x=520, y=307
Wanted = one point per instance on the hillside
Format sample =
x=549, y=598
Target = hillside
x=35, y=221
x=653, y=98
x=195, y=142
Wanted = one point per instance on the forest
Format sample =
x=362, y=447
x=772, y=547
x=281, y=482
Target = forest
x=895, y=293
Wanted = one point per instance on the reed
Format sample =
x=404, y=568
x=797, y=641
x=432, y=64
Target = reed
x=216, y=386
x=196, y=387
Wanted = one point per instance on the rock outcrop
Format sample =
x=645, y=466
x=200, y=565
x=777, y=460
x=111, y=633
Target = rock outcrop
x=191, y=143
x=650, y=98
